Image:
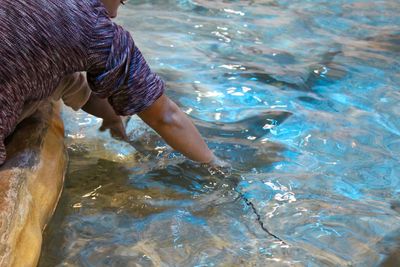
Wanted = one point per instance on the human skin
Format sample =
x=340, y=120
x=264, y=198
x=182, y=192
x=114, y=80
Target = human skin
x=100, y=108
x=164, y=116
x=111, y=7
x=174, y=126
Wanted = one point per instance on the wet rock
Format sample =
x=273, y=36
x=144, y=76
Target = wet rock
x=30, y=184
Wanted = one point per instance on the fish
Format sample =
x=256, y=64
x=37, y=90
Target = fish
x=255, y=126
x=243, y=132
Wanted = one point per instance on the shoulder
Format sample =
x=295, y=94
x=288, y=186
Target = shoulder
x=52, y=12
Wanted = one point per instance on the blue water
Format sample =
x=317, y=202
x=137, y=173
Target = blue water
x=301, y=97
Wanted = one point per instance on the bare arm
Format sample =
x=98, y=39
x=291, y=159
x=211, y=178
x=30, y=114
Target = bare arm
x=100, y=108
x=165, y=117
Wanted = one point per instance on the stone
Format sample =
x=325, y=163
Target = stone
x=31, y=182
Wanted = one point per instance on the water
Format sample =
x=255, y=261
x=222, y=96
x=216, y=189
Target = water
x=301, y=97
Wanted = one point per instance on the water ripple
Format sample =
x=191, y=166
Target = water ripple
x=301, y=97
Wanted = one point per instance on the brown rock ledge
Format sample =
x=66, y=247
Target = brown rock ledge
x=31, y=181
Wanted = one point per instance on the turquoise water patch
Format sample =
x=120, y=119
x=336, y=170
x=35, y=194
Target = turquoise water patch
x=301, y=97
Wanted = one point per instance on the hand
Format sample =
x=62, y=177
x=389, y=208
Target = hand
x=116, y=127
x=217, y=166
x=218, y=163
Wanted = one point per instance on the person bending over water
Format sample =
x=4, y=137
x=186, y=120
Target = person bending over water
x=47, y=44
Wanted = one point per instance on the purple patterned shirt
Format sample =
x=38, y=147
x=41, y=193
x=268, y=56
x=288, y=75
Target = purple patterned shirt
x=41, y=41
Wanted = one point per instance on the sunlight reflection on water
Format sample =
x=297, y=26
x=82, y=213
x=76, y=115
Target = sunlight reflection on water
x=300, y=96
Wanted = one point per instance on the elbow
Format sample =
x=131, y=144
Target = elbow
x=170, y=117
x=164, y=113
x=167, y=116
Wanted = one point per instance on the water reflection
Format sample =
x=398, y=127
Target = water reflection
x=300, y=97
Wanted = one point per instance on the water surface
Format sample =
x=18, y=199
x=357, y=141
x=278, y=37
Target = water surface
x=301, y=97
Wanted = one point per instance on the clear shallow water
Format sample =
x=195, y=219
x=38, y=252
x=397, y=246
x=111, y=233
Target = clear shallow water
x=301, y=97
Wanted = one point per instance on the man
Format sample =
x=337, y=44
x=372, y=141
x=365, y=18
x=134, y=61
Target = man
x=45, y=44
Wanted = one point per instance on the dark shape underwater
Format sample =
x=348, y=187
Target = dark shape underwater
x=255, y=126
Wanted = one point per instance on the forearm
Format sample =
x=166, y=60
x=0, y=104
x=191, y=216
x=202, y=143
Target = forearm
x=100, y=108
x=183, y=136
x=177, y=129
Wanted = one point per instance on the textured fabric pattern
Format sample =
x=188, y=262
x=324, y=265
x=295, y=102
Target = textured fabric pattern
x=73, y=90
x=44, y=40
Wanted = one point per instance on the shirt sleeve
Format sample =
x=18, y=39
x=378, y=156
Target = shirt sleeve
x=118, y=71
